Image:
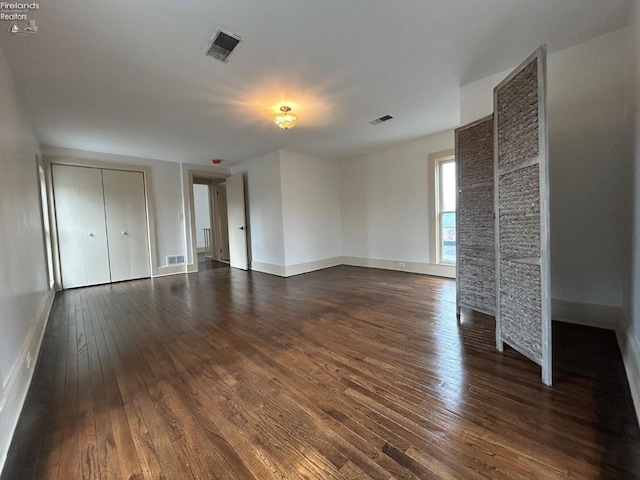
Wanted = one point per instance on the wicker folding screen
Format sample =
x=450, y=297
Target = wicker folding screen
x=475, y=232
x=523, y=310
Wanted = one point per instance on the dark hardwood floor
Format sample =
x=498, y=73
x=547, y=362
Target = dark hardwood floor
x=345, y=373
x=205, y=264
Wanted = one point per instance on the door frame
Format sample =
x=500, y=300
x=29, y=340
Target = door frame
x=207, y=183
x=50, y=160
x=192, y=240
x=44, y=189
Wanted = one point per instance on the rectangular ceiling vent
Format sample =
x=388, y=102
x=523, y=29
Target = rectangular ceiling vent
x=221, y=45
x=380, y=120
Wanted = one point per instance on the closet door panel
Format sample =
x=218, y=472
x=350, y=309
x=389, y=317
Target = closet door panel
x=126, y=215
x=82, y=238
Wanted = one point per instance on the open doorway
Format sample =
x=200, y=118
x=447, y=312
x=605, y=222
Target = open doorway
x=211, y=224
x=228, y=244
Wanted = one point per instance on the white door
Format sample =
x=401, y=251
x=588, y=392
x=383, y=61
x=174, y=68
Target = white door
x=126, y=217
x=82, y=237
x=237, y=222
x=223, y=222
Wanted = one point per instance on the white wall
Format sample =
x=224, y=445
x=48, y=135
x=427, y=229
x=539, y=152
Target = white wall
x=24, y=293
x=589, y=150
x=202, y=212
x=293, y=206
x=635, y=295
x=166, y=195
x=590, y=162
x=476, y=99
x=630, y=337
x=264, y=208
x=386, y=199
x=310, y=208
x=169, y=209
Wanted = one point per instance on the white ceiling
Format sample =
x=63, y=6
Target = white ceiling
x=130, y=77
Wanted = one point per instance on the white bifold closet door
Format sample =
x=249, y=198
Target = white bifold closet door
x=102, y=225
x=126, y=216
x=82, y=236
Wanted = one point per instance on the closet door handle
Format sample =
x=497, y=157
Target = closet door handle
x=125, y=233
x=89, y=234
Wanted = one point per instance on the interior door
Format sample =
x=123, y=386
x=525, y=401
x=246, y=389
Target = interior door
x=126, y=217
x=223, y=222
x=82, y=237
x=237, y=222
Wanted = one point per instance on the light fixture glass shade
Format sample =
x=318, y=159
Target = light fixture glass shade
x=285, y=119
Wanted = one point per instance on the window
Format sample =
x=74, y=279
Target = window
x=446, y=210
x=442, y=182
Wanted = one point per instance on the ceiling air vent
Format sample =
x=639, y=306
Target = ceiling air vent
x=222, y=45
x=380, y=120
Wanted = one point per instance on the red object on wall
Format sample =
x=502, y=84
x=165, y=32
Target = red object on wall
x=216, y=161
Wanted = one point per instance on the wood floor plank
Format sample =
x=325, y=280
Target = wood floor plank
x=69, y=459
x=319, y=395
x=141, y=433
x=50, y=461
x=199, y=431
x=123, y=434
x=344, y=373
x=107, y=455
x=89, y=464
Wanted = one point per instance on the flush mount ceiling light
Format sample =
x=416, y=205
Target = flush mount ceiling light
x=285, y=119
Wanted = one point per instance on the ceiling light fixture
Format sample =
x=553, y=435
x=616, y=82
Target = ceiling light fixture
x=285, y=119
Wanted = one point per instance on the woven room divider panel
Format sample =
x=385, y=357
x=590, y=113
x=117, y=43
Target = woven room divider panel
x=521, y=173
x=475, y=230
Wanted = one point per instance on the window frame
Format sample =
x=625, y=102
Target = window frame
x=440, y=212
x=436, y=160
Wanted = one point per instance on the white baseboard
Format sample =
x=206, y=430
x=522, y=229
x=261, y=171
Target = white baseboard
x=411, y=267
x=300, y=268
x=14, y=392
x=587, y=314
x=171, y=270
x=446, y=271
x=270, y=268
x=192, y=268
x=630, y=351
